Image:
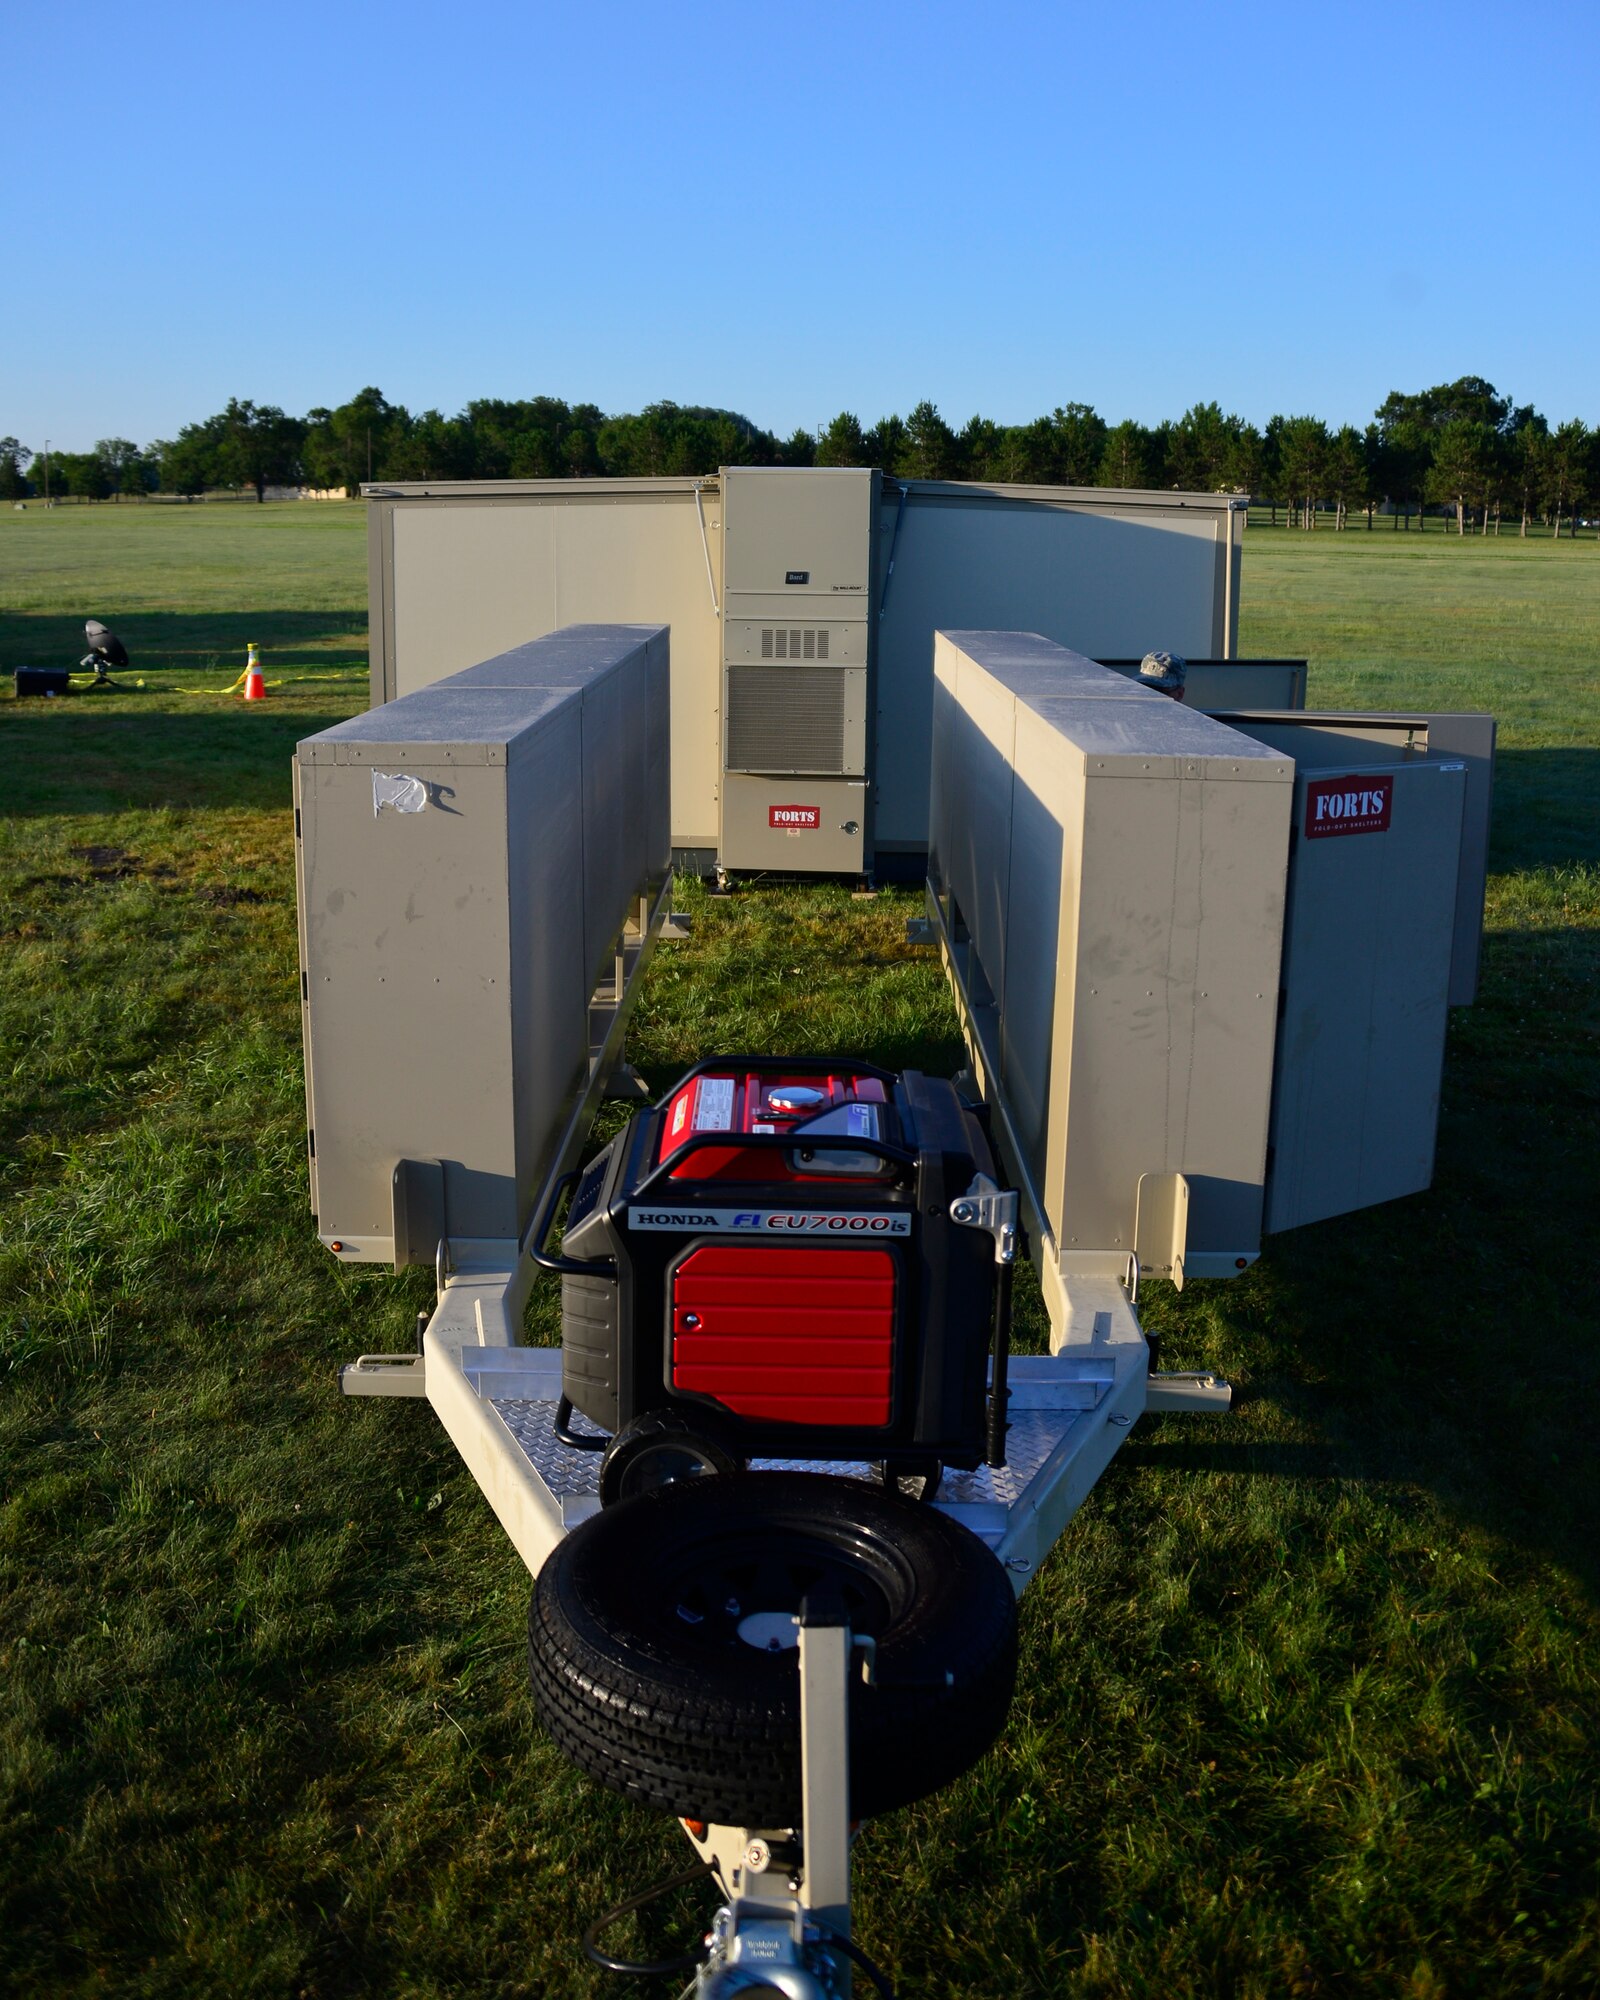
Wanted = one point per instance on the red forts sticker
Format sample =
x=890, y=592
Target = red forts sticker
x=1348, y=805
x=794, y=819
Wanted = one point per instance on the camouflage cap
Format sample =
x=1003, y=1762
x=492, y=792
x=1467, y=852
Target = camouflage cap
x=1166, y=672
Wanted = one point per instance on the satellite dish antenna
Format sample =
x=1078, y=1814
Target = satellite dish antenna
x=105, y=650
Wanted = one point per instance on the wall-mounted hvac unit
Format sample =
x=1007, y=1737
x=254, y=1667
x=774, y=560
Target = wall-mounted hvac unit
x=799, y=651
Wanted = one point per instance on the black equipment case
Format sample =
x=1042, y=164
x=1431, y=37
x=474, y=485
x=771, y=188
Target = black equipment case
x=41, y=680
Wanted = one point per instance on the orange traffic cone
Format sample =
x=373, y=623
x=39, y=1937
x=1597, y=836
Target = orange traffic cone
x=255, y=686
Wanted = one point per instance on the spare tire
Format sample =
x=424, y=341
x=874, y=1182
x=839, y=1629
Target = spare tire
x=641, y=1677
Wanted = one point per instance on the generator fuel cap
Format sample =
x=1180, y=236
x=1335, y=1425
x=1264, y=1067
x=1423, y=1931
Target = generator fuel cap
x=795, y=1097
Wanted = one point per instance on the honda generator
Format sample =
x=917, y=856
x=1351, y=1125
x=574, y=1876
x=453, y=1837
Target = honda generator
x=787, y=1259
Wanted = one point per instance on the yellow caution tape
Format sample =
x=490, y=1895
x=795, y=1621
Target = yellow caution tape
x=293, y=680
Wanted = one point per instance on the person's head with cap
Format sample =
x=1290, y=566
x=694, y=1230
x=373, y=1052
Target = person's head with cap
x=1165, y=673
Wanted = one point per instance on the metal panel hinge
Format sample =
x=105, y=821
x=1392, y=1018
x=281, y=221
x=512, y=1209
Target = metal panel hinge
x=1161, y=1227
x=993, y=1209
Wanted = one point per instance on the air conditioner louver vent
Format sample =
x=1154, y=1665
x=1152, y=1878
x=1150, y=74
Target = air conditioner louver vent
x=790, y=642
x=783, y=722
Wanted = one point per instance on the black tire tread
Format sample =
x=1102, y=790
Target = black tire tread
x=724, y=1744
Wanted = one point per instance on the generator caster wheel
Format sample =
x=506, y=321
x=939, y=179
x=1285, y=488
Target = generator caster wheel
x=663, y=1661
x=657, y=1450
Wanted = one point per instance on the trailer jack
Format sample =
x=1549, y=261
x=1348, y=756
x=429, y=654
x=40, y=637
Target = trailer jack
x=784, y=1922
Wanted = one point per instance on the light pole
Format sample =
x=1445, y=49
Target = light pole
x=47, y=472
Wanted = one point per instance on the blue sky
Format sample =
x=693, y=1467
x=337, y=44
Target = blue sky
x=792, y=211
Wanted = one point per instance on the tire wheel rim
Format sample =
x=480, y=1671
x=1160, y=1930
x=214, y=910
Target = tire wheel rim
x=710, y=1588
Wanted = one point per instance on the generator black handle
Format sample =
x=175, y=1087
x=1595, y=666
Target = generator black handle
x=774, y=1142
x=1000, y=1350
x=577, y=1267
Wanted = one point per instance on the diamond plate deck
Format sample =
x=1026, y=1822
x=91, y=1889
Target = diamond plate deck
x=570, y=1474
x=983, y=1497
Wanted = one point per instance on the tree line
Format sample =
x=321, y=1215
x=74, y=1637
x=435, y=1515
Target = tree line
x=1461, y=447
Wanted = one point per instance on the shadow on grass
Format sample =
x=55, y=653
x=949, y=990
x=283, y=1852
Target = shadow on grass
x=1445, y=1342
x=1545, y=812
x=126, y=757
x=158, y=641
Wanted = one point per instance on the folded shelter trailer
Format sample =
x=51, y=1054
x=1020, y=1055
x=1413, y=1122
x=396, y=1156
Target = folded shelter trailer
x=1173, y=942
x=802, y=604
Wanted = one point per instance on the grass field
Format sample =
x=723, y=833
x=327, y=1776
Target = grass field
x=1309, y=1696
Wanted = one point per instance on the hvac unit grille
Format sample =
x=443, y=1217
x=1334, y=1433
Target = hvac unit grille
x=793, y=642
x=790, y=721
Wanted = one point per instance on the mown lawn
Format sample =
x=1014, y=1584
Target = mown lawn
x=1309, y=1692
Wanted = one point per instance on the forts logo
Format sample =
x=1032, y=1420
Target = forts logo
x=1348, y=805
x=794, y=819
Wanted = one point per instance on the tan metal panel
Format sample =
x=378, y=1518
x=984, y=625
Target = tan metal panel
x=979, y=846
x=1469, y=737
x=450, y=947
x=1046, y=811
x=380, y=602
x=469, y=582
x=828, y=836
x=408, y=950
x=1119, y=863
x=784, y=521
x=473, y=578
x=1366, y=996
x=646, y=560
x=564, y=904
x=1106, y=575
